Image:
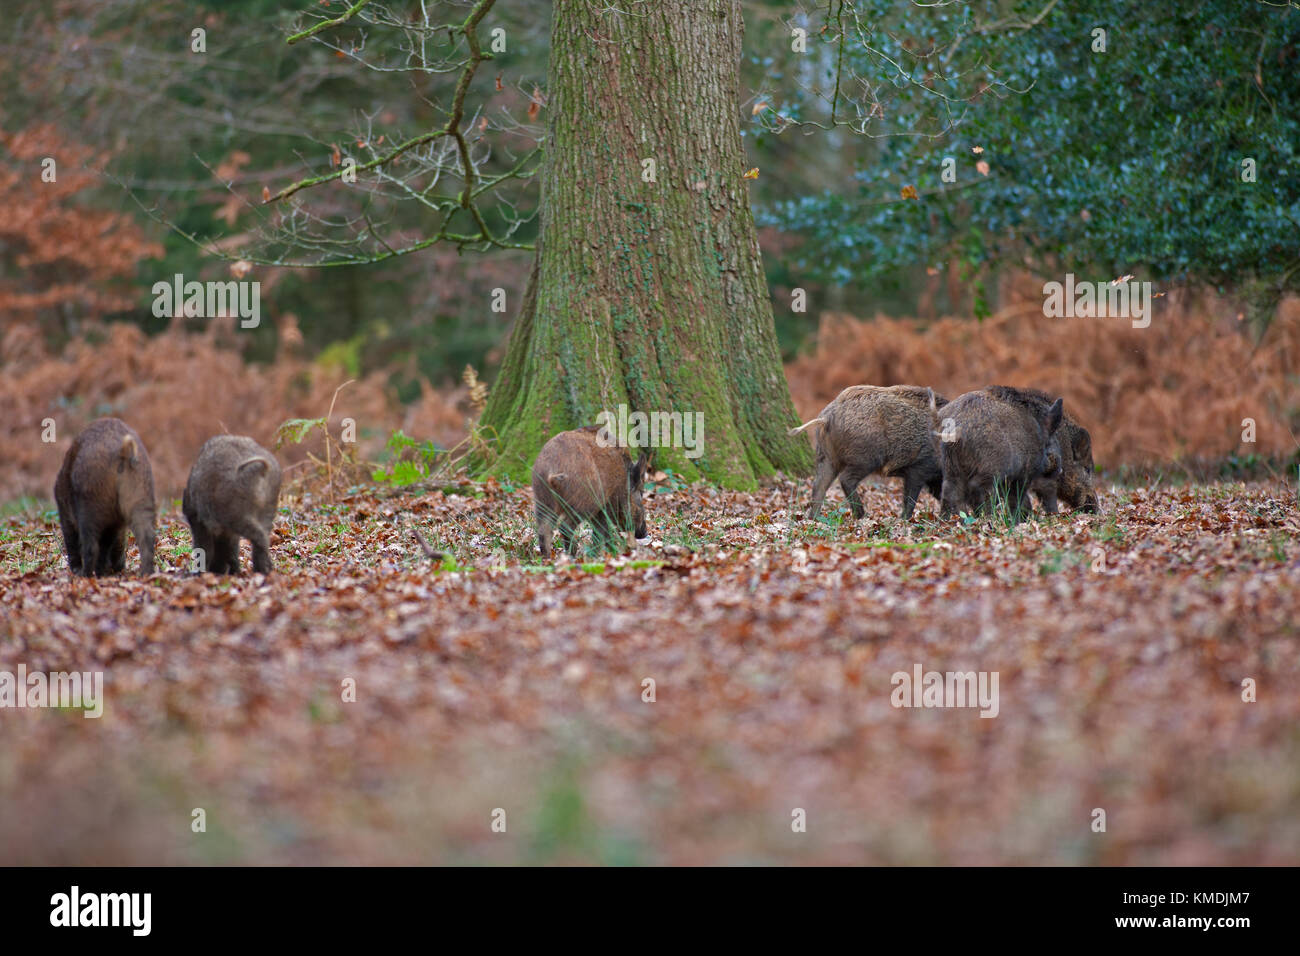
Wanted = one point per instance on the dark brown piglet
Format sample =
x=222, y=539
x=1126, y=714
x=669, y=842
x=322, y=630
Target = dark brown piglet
x=996, y=440
x=1073, y=483
x=232, y=494
x=104, y=487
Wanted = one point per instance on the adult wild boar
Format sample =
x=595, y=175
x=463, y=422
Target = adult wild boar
x=232, y=494
x=996, y=438
x=104, y=487
x=578, y=476
x=870, y=428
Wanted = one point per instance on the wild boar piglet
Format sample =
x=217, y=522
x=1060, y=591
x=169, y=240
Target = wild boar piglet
x=104, y=487
x=578, y=477
x=996, y=440
x=232, y=493
x=1072, y=482
x=868, y=429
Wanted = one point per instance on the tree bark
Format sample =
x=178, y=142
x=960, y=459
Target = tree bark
x=649, y=294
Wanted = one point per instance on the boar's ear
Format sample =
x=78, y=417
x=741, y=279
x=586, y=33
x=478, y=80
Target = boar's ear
x=636, y=472
x=1054, y=416
x=254, y=466
x=1082, y=445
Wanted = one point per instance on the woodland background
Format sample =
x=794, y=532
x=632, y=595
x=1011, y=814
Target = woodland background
x=1124, y=641
x=150, y=137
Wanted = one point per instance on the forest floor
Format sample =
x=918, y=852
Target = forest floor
x=495, y=688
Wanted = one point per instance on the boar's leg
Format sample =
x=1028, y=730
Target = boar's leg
x=71, y=543
x=142, y=531
x=89, y=545
x=225, y=554
x=568, y=535
x=821, y=481
x=202, y=542
x=546, y=520
x=545, y=531
x=261, y=552
x=952, y=496
x=1047, y=498
x=935, y=485
x=913, y=482
x=112, y=551
x=849, y=485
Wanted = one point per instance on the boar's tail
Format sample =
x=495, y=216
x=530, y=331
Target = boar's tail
x=816, y=421
x=128, y=452
x=934, y=410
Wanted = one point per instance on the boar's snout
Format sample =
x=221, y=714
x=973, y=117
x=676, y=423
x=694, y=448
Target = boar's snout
x=636, y=504
x=636, y=483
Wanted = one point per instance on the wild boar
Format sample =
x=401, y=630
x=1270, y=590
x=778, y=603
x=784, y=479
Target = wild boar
x=996, y=438
x=577, y=478
x=868, y=429
x=1073, y=482
x=104, y=487
x=232, y=494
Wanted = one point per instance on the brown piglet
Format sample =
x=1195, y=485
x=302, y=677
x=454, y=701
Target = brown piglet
x=871, y=428
x=104, y=487
x=996, y=440
x=581, y=476
x=232, y=494
x=1073, y=484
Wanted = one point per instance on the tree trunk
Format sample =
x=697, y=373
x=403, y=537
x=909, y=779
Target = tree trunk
x=649, y=294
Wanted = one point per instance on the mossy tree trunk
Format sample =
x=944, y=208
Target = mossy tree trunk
x=649, y=294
